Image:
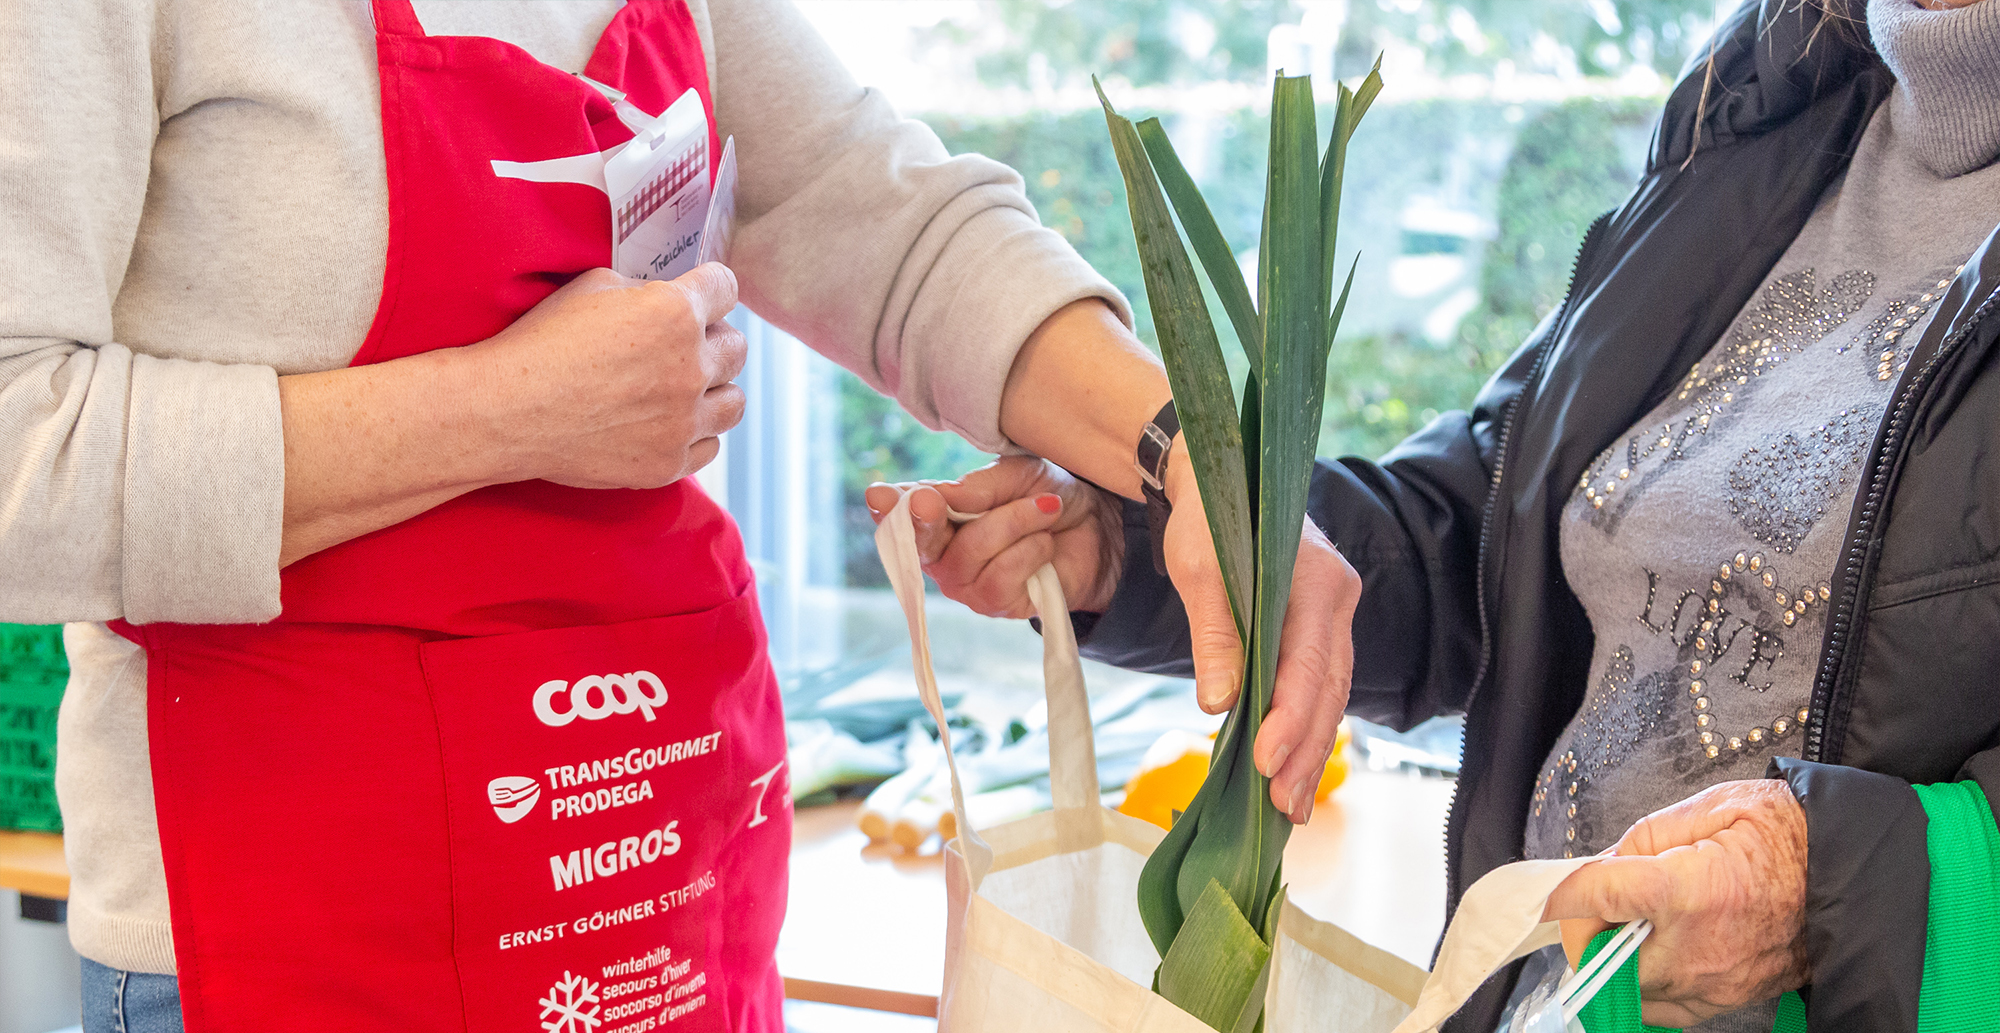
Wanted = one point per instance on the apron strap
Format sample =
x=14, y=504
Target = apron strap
x=396, y=18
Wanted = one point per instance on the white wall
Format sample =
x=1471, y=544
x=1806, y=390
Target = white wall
x=39, y=979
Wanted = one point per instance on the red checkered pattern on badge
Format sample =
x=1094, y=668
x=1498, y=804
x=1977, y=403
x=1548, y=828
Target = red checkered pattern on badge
x=677, y=174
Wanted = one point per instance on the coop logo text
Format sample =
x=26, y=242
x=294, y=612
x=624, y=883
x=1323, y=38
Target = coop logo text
x=599, y=696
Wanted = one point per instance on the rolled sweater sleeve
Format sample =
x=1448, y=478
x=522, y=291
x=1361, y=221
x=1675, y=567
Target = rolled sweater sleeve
x=921, y=272
x=130, y=486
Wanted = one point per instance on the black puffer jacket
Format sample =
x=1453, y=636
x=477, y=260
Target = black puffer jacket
x=1465, y=608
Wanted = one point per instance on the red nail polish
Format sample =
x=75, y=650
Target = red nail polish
x=1048, y=504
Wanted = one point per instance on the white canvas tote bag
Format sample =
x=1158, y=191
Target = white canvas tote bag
x=1044, y=933
x=1498, y=920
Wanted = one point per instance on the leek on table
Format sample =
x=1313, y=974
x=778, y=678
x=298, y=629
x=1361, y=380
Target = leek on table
x=824, y=757
x=921, y=757
x=919, y=815
x=1210, y=893
x=1010, y=779
x=998, y=806
x=871, y=713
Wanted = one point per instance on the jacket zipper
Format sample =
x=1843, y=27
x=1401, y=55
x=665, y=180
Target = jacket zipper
x=1583, y=253
x=1903, y=412
x=1506, y=436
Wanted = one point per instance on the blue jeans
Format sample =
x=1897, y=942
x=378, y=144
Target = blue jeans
x=129, y=1002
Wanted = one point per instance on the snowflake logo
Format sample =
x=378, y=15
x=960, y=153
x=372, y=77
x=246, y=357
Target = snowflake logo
x=573, y=1002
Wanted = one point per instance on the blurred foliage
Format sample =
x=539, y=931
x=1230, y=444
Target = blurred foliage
x=1566, y=169
x=881, y=442
x=1561, y=37
x=1145, y=41
x=1073, y=180
x=1167, y=42
x=1543, y=172
x=1567, y=166
x=1567, y=163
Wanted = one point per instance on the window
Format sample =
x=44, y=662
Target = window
x=1506, y=126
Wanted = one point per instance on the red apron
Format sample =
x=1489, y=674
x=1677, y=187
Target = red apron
x=514, y=764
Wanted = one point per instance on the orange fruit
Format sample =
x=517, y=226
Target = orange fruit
x=1336, y=766
x=1174, y=766
x=1168, y=777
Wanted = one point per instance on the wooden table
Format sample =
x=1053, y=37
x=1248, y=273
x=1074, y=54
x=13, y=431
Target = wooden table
x=32, y=862
x=866, y=924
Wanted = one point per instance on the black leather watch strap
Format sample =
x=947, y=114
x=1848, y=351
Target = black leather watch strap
x=1156, y=445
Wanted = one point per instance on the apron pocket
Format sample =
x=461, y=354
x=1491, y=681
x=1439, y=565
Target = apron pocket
x=609, y=793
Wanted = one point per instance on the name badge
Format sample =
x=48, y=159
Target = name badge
x=659, y=191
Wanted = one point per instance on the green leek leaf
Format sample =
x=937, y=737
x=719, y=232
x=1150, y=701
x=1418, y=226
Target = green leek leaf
x=1272, y=914
x=1159, y=895
x=1221, y=860
x=1217, y=258
x=1333, y=321
x=1252, y=413
x=1294, y=373
x=1214, y=962
x=1251, y=1020
x=1195, y=367
x=1347, y=114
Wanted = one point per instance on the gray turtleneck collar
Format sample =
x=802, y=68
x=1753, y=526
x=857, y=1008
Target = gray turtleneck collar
x=1946, y=105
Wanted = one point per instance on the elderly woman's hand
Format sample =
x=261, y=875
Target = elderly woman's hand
x=1722, y=876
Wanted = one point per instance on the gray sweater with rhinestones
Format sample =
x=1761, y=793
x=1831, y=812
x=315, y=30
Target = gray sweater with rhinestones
x=1701, y=542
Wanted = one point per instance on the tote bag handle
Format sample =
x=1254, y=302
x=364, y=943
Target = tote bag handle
x=1072, y=748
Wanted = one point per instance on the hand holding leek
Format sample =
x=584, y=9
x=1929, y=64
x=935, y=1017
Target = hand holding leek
x=1211, y=892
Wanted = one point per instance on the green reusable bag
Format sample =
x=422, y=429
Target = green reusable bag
x=1615, y=1009
x=1960, y=956
x=1959, y=990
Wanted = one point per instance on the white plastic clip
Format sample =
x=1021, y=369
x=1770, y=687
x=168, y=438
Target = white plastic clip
x=1578, y=990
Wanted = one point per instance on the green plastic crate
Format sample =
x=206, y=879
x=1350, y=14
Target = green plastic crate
x=33, y=672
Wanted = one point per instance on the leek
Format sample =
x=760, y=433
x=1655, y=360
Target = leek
x=921, y=756
x=824, y=757
x=1211, y=891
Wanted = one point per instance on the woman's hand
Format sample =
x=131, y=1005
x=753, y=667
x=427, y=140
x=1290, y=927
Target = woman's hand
x=1722, y=876
x=1315, y=648
x=619, y=383
x=608, y=383
x=1035, y=513
x=985, y=564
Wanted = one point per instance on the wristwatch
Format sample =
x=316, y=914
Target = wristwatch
x=1156, y=444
